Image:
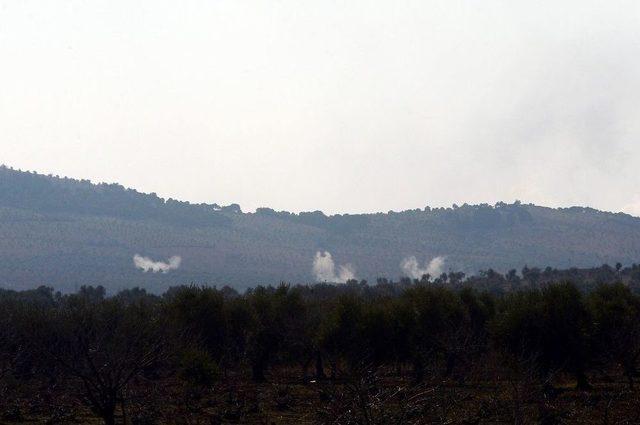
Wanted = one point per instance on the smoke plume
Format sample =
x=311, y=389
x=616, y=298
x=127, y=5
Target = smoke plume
x=324, y=269
x=412, y=268
x=146, y=264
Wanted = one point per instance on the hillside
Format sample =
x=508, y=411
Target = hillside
x=65, y=233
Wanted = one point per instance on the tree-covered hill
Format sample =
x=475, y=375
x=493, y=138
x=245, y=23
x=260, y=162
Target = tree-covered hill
x=66, y=233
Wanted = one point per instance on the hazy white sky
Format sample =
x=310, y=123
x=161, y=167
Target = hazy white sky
x=344, y=106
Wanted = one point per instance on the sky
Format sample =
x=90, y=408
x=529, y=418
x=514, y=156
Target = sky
x=340, y=106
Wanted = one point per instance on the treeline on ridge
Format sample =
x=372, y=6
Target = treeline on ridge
x=62, y=195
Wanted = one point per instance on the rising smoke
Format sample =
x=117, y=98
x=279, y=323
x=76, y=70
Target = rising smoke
x=324, y=269
x=146, y=264
x=412, y=268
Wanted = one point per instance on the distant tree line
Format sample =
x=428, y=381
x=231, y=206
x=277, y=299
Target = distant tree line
x=118, y=355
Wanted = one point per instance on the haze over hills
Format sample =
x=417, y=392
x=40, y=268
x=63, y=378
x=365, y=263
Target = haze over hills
x=66, y=233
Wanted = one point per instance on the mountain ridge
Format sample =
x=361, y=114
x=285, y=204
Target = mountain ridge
x=234, y=207
x=66, y=232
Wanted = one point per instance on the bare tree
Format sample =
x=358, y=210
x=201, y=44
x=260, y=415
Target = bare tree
x=104, y=345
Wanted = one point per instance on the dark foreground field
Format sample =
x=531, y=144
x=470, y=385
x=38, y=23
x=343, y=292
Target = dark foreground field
x=411, y=352
x=379, y=397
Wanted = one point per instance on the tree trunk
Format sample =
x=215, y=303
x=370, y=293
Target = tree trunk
x=319, y=367
x=109, y=416
x=581, y=382
x=258, y=369
x=451, y=363
x=418, y=370
x=630, y=372
x=123, y=408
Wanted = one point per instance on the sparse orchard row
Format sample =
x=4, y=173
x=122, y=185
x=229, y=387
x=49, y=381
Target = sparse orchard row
x=118, y=355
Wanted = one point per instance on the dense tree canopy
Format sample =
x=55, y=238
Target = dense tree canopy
x=109, y=352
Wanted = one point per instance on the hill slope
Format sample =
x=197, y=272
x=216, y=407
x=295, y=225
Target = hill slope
x=66, y=233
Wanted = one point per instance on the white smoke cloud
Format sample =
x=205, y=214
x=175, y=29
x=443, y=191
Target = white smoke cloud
x=146, y=264
x=324, y=269
x=412, y=268
x=346, y=272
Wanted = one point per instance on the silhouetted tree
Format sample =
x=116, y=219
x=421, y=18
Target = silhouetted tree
x=103, y=345
x=616, y=336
